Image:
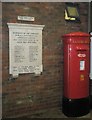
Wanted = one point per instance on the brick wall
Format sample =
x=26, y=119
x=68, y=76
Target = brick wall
x=0, y=60
x=29, y=94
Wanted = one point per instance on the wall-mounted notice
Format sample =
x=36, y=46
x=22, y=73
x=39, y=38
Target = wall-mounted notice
x=25, y=48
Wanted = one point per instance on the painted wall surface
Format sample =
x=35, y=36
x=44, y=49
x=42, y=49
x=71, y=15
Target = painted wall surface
x=30, y=94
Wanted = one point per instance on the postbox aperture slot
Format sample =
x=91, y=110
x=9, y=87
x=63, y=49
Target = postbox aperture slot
x=81, y=50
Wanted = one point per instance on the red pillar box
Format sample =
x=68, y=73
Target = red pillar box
x=76, y=74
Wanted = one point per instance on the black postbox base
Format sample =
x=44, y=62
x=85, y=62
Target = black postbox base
x=90, y=101
x=75, y=107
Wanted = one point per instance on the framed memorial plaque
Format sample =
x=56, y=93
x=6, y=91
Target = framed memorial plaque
x=25, y=48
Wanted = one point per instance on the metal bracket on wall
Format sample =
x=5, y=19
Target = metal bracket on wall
x=11, y=78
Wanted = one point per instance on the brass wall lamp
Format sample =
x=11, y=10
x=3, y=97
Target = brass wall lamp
x=72, y=12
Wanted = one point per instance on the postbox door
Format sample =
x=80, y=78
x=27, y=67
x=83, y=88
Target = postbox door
x=79, y=71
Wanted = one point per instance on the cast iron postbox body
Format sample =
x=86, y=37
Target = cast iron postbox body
x=76, y=74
